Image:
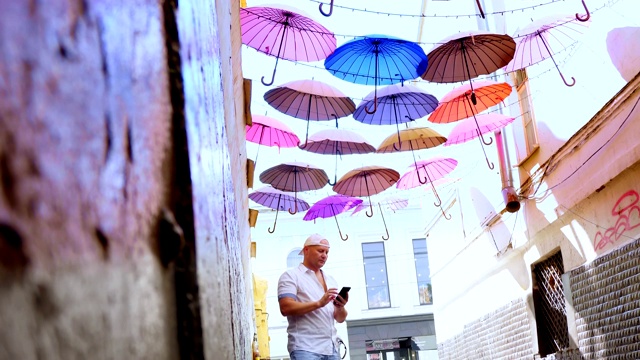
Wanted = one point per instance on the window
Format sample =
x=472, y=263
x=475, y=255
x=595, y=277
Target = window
x=526, y=132
x=549, y=305
x=293, y=259
x=422, y=271
x=375, y=272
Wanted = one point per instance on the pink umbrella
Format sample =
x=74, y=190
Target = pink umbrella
x=332, y=206
x=295, y=177
x=391, y=202
x=310, y=100
x=277, y=200
x=456, y=105
x=366, y=181
x=545, y=37
x=433, y=169
x=286, y=34
x=270, y=132
x=471, y=128
x=338, y=142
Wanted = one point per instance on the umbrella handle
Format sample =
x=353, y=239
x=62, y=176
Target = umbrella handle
x=579, y=17
x=445, y=215
x=480, y=8
x=296, y=205
x=385, y=224
x=371, y=208
x=273, y=76
x=274, y=221
x=554, y=60
x=375, y=106
x=330, y=9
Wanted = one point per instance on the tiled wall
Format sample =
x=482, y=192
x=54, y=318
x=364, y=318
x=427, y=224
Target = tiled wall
x=502, y=334
x=606, y=298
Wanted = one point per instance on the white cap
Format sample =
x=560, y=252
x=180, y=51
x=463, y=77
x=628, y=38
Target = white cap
x=314, y=239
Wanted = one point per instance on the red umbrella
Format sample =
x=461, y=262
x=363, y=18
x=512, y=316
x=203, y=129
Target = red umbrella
x=295, y=177
x=432, y=169
x=332, y=206
x=277, y=200
x=286, y=34
x=456, y=105
x=366, y=181
x=270, y=132
x=310, y=100
x=338, y=142
x=543, y=38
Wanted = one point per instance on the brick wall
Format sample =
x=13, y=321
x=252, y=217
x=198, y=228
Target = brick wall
x=606, y=299
x=502, y=334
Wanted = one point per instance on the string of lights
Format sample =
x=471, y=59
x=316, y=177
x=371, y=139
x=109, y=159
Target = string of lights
x=431, y=44
x=501, y=13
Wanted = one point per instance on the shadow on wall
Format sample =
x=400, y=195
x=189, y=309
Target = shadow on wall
x=624, y=51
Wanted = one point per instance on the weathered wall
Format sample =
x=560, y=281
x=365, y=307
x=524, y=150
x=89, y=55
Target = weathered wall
x=85, y=144
x=501, y=334
x=217, y=158
x=105, y=137
x=606, y=300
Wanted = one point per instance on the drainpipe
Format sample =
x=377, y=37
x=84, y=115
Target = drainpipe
x=508, y=192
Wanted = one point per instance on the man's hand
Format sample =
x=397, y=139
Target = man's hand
x=339, y=301
x=328, y=297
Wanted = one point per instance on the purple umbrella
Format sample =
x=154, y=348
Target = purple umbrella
x=332, y=206
x=277, y=200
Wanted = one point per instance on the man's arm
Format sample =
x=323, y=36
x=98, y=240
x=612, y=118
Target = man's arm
x=291, y=307
x=339, y=311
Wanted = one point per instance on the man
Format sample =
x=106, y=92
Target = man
x=309, y=299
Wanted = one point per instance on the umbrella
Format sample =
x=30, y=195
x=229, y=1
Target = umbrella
x=544, y=38
x=412, y=139
x=397, y=104
x=456, y=104
x=286, y=34
x=295, y=177
x=332, y=206
x=310, y=100
x=397, y=204
x=466, y=129
x=471, y=128
x=338, y=142
x=433, y=169
x=277, y=200
x=270, y=132
x=366, y=181
x=467, y=55
x=377, y=60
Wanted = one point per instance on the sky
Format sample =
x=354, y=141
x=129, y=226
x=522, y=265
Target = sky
x=444, y=19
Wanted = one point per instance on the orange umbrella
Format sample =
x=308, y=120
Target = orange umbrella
x=457, y=104
x=366, y=181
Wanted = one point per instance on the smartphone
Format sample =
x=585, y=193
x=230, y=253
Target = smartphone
x=343, y=292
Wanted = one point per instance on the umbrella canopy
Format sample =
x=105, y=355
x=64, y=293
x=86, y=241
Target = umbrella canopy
x=433, y=169
x=286, y=34
x=338, y=142
x=467, y=55
x=295, y=177
x=277, y=200
x=310, y=100
x=270, y=132
x=466, y=129
x=411, y=139
x=332, y=206
x=396, y=203
x=366, y=181
x=377, y=60
x=544, y=38
x=455, y=105
x=397, y=104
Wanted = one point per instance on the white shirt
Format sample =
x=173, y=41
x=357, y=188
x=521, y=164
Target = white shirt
x=314, y=331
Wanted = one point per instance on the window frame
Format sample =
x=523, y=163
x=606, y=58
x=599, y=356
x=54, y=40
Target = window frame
x=386, y=281
x=415, y=260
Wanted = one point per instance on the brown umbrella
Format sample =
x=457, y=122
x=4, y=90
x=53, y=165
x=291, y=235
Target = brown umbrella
x=366, y=181
x=295, y=177
x=467, y=55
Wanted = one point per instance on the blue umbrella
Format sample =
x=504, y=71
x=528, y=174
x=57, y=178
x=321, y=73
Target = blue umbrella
x=377, y=60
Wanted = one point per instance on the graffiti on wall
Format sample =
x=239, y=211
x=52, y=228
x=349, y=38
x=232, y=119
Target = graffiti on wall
x=626, y=213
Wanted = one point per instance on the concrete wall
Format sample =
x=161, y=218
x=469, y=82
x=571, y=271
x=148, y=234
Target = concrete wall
x=118, y=158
